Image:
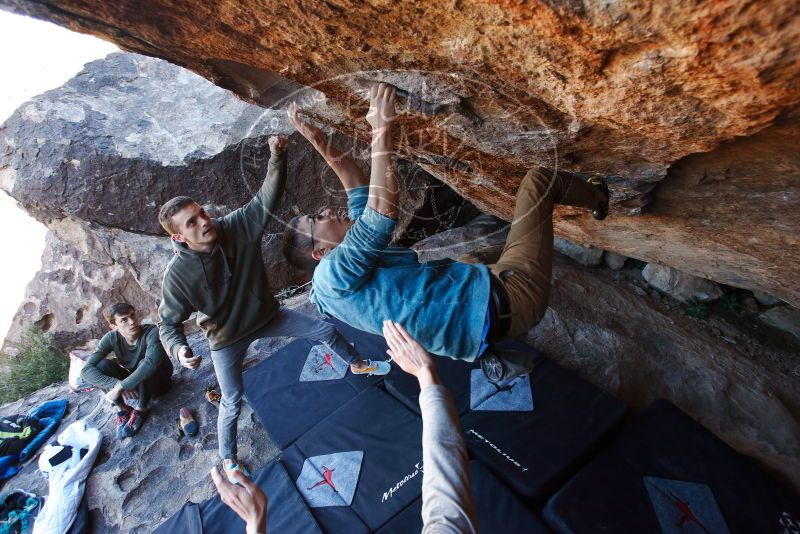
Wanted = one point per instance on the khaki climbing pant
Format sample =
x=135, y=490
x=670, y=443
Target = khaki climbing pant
x=526, y=263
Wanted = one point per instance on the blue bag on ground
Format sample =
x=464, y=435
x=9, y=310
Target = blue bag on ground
x=45, y=418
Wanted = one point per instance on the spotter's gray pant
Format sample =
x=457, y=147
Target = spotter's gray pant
x=229, y=360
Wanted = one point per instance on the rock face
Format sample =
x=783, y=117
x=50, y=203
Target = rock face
x=624, y=89
x=614, y=261
x=95, y=159
x=483, y=231
x=731, y=215
x=680, y=285
x=67, y=296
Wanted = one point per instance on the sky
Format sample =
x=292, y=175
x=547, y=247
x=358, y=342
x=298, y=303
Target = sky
x=37, y=56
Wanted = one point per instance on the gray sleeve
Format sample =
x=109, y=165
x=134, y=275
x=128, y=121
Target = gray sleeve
x=447, y=502
x=172, y=312
x=250, y=219
x=91, y=373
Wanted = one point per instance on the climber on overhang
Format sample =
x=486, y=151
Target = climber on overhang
x=452, y=308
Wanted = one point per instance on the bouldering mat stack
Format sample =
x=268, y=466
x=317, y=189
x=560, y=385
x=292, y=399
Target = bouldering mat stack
x=360, y=466
x=666, y=473
x=298, y=386
x=287, y=511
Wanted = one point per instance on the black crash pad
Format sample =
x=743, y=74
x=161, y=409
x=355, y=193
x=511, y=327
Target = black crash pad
x=498, y=510
x=454, y=374
x=372, y=449
x=534, y=451
x=287, y=512
x=667, y=473
x=295, y=388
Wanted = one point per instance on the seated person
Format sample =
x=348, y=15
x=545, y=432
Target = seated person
x=447, y=500
x=140, y=371
x=359, y=279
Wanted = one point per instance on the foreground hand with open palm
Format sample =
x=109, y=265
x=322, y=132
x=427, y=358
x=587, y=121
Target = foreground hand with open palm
x=409, y=354
x=244, y=498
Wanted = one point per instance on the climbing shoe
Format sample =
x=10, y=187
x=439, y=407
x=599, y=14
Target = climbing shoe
x=212, y=396
x=601, y=211
x=135, y=421
x=374, y=367
x=187, y=422
x=231, y=466
x=121, y=424
x=503, y=367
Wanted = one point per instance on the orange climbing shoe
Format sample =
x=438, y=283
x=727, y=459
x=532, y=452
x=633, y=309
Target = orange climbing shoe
x=373, y=367
x=212, y=396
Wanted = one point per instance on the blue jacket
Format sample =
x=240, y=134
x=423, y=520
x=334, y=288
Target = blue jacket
x=363, y=281
x=49, y=415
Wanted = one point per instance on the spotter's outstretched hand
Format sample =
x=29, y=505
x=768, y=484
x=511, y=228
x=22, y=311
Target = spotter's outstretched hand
x=406, y=351
x=244, y=498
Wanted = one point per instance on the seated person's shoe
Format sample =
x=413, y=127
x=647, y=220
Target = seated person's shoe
x=231, y=466
x=121, y=424
x=373, y=367
x=601, y=211
x=503, y=367
x=188, y=424
x=135, y=421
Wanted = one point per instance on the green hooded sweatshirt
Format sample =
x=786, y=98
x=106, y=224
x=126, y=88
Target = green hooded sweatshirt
x=227, y=287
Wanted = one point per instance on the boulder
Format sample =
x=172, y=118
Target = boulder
x=702, y=94
x=681, y=286
x=584, y=254
x=783, y=318
x=85, y=269
x=614, y=261
x=95, y=159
